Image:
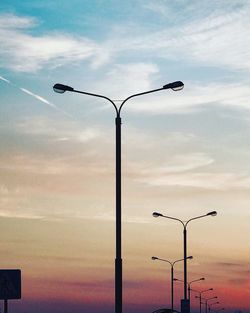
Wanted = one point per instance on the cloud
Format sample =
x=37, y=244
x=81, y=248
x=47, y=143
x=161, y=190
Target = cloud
x=183, y=163
x=120, y=80
x=29, y=53
x=194, y=97
x=31, y=216
x=199, y=38
x=201, y=180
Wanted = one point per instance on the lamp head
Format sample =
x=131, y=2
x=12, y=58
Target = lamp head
x=156, y=214
x=190, y=257
x=202, y=278
x=211, y=289
x=154, y=258
x=213, y=213
x=60, y=88
x=176, y=86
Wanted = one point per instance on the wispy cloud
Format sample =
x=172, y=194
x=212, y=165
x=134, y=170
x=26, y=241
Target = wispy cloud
x=192, y=99
x=201, y=180
x=197, y=39
x=29, y=53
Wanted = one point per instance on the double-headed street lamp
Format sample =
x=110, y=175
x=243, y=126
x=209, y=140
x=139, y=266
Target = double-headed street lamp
x=210, y=304
x=172, y=275
x=178, y=85
x=184, y=224
x=200, y=294
x=206, y=301
x=189, y=285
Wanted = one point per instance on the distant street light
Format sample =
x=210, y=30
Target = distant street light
x=184, y=224
x=189, y=286
x=60, y=88
x=210, y=304
x=172, y=276
x=200, y=293
x=206, y=301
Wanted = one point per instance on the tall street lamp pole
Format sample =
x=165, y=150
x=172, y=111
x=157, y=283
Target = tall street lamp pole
x=172, y=276
x=60, y=88
x=184, y=224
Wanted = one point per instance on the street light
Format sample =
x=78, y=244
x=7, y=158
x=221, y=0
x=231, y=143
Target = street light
x=189, y=286
x=172, y=275
x=60, y=88
x=206, y=300
x=209, y=306
x=184, y=224
x=200, y=293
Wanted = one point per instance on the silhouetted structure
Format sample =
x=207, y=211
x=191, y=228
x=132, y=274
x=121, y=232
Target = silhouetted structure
x=59, y=88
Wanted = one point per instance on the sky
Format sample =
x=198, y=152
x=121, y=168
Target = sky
x=183, y=153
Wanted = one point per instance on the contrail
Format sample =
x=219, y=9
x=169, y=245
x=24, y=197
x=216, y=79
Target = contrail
x=39, y=98
x=4, y=79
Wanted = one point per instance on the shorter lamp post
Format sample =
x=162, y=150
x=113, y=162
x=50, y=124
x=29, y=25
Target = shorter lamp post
x=189, y=285
x=209, y=306
x=200, y=293
x=206, y=301
x=172, y=275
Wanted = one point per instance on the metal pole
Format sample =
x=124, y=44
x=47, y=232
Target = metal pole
x=200, y=302
x=172, y=288
x=206, y=306
x=118, y=260
x=189, y=295
x=185, y=262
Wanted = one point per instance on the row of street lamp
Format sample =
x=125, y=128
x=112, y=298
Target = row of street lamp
x=185, y=303
x=187, y=285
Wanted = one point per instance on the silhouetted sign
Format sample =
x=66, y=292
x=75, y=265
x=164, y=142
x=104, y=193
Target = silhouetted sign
x=10, y=284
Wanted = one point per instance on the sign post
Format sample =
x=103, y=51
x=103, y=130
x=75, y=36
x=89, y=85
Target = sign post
x=10, y=286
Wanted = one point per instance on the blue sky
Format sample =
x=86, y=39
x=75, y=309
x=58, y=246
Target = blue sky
x=184, y=152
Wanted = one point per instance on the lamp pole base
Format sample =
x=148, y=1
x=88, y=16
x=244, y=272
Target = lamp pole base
x=185, y=306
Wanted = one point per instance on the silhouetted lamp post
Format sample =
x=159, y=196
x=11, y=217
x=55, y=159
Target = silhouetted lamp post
x=184, y=224
x=200, y=293
x=172, y=276
x=206, y=301
x=209, y=306
x=189, y=286
x=178, y=85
